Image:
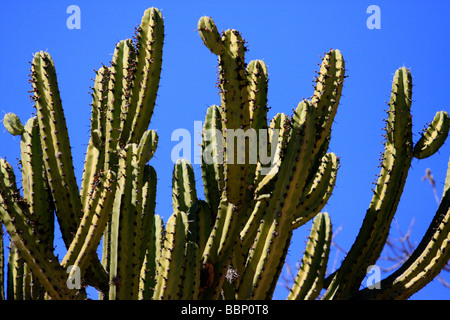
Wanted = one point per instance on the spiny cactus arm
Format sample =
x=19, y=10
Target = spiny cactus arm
x=328, y=90
x=394, y=170
x=144, y=82
x=249, y=231
x=121, y=67
x=150, y=265
x=318, y=191
x=238, y=172
x=15, y=289
x=425, y=263
x=305, y=144
x=146, y=147
x=235, y=116
x=218, y=250
x=309, y=281
x=100, y=106
x=433, y=137
x=257, y=93
x=35, y=183
x=126, y=228
x=184, y=193
x=42, y=262
x=279, y=133
x=37, y=194
x=92, y=225
x=257, y=102
x=57, y=156
x=114, y=95
x=13, y=124
x=32, y=289
x=172, y=256
x=184, y=198
x=212, y=158
x=274, y=229
x=210, y=35
x=204, y=222
x=55, y=143
x=95, y=154
x=234, y=107
x=190, y=280
x=148, y=207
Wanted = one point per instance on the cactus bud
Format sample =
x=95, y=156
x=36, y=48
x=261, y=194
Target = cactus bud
x=12, y=123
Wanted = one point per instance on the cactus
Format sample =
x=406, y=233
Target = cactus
x=262, y=180
x=13, y=124
x=123, y=99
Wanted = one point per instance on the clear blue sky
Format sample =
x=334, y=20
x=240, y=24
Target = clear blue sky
x=289, y=36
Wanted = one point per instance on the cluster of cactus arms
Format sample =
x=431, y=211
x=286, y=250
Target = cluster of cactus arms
x=262, y=180
x=116, y=200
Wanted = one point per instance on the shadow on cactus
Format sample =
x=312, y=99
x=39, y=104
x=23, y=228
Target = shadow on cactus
x=262, y=180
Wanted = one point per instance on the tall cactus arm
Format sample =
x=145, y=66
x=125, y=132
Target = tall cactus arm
x=190, y=286
x=149, y=274
x=212, y=158
x=433, y=137
x=218, y=250
x=121, y=66
x=425, y=263
x=92, y=225
x=318, y=191
x=126, y=228
x=16, y=264
x=148, y=207
x=235, y=116
x=279, y=134
x=95, y=155
x=234, y=105
x=257, y=93
x=204, y=222
x=274, y=228
x=327, y=92
x=42, y=262
x=144, y=84
x=37, y=193
x=172, y=257
x=184, y=193
x=394, y=170
x=305, y=144
x=257, y=79
x=57, y=153
x=309, y=281
x=35, y=183
x=266, y=176
x=55, y=143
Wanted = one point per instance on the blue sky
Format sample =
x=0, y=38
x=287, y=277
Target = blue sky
x=290, y=36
